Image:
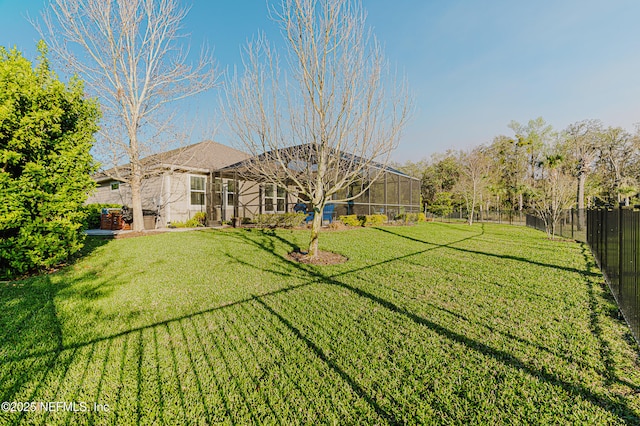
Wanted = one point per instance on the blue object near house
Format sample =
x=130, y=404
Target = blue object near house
x=327, y=214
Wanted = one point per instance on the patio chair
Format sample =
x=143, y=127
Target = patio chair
x=327, y=214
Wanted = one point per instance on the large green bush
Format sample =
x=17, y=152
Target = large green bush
x=46, y=132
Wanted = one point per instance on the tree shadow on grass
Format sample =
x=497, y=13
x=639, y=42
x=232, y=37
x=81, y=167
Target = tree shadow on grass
x=598, y=303
x=616, y=406
x=500, y=256
x=589, y=272
x=124, y=350
x=361, y=392
x=32, y=334
x=41, y=363
x=92, y=243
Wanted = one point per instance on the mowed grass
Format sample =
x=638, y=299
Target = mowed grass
x=429, y=324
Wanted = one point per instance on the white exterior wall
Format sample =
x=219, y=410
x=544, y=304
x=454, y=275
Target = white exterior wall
x=176, y=198
x=168, y=194
x=103, y=194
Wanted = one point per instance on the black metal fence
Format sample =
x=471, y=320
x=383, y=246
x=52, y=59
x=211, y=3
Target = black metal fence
x=570, y=224
x=511, y=217
x=614, y=238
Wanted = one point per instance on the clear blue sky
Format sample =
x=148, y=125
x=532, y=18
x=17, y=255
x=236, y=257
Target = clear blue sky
x=473, y=65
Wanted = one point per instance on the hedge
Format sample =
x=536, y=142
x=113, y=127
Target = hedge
x=366, y=220
x=280, y=220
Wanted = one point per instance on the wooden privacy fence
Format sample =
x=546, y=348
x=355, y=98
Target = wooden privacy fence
x=614, y=237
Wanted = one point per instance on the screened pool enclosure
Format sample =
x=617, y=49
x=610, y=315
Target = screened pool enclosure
x=238, y=192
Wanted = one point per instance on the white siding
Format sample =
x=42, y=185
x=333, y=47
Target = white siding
x=176, y=200
x=105, y=195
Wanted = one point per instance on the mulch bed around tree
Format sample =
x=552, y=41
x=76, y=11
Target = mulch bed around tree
x=323, y=258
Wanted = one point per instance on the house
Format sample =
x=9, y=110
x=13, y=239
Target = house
x=211, y=178
x=178, y=184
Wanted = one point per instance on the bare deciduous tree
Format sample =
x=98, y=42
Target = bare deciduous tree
x=328, y=124
x=617, y=156
x=474, y=170
x=554, y=191
x=130, y=55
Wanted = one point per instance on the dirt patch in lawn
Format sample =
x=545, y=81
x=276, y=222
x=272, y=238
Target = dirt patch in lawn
x=323, y=258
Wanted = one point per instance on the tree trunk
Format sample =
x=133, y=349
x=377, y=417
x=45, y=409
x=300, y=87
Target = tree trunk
x=582, y=179
x=473, y=205
x=520, y=202
x=136, y=199
x=316, y=224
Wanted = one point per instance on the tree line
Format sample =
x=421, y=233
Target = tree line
x=535, y=168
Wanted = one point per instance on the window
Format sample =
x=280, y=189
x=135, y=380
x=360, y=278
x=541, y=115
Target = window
x=231, y=193
x=268, y=198
x=280, y=199
x=196, y=189
x=115, y=186
x=274, y=198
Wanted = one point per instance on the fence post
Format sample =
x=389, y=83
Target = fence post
x=571, y=223
x=620, y=248
x=603, y=227
x=634, y=244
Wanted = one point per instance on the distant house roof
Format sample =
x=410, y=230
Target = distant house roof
x=206, y=156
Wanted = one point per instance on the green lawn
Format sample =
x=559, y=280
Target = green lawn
x=430, y=324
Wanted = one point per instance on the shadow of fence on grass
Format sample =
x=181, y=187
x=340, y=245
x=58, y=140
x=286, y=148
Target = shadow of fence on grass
x=277, y=357
x=613, y=405
x=494, y=255
x=616, y=407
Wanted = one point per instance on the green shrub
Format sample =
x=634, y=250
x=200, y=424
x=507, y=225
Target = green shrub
x=292, y=220
x=411, y=217
x=366, y=220
x=373, y=219
x=351, y=220
x=265, y=220
x=279, y=220
x=46, y=134
x=198, y=220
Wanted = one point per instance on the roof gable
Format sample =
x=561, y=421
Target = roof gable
x=206, y=156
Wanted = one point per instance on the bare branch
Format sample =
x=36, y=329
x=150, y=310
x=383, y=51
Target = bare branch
x=330, y=120
x=130, y=55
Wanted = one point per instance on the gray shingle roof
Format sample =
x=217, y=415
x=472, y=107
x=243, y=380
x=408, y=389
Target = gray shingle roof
x=207, y=156
x=204, y=155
